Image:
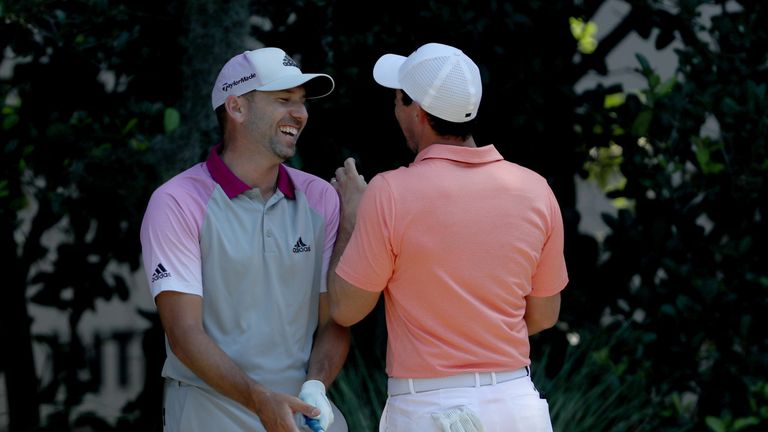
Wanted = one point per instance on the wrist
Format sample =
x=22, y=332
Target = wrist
x=257, y=396
x=314, y=385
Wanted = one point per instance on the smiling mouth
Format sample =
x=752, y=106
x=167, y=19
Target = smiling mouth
x=289, y=130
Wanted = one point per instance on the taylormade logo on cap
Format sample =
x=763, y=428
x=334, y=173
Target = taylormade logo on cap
x=266, y=69
x=229, y=85
x=441, y=78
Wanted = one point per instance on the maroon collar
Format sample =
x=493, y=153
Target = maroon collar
x=233, y=186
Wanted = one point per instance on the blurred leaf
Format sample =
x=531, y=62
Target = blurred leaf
x=666, y=87
x=171, y=119
x=134, y=121
x=704, y=148
x=642, y=123
x=743, y=423
x=10, y=120
x=715, y=424
x=138, y=144
x=653, y=80
x=644, y=65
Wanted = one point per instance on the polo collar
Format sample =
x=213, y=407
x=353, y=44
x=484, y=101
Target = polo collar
x=472, y=155
x=233, y=186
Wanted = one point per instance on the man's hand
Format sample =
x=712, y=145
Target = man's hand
x=313, y=393
x=350, y=185
x=275, y=410
x=349, y=304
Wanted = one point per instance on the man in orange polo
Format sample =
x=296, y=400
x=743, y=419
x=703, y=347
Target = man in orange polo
x=467, y=249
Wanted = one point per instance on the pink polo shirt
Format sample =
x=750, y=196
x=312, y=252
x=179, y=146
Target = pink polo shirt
x=456, y=241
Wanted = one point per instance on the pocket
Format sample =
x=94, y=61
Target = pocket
x=173, y=406
x=383, y=421
x=401, y=415
x=534, y=415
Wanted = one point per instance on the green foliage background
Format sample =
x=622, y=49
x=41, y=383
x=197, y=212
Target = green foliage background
x=107, y=99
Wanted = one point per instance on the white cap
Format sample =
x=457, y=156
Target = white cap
x=266, y=69
x=441, y=78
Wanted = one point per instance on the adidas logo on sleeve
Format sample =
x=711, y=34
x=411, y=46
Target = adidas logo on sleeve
x=301, y=247
x=160, y=272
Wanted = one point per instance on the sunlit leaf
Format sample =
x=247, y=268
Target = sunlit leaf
x=584, y=33
x=623, y=203
x=614, y=100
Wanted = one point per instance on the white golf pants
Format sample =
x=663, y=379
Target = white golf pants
x=512, y=406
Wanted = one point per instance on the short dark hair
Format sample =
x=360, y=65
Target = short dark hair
x=445, y=127
x=221, y=117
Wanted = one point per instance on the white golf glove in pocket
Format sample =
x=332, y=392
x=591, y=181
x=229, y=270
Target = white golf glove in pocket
x=459, y=419
x=313, y=393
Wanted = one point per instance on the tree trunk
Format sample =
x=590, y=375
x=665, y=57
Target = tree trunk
x=21, y=383
x=213, y=32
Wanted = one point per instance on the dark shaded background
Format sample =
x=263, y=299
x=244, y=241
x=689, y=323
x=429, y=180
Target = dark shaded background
x=669, y=305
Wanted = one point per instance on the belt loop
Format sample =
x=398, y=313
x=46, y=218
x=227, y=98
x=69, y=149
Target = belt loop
x=493, y=378
x=477, y=379
x=410, y=386
x=528, y=371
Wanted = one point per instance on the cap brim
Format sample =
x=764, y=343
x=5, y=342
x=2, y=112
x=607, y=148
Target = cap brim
x=315, y=85
x=386, y=71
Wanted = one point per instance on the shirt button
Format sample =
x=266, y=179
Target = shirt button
x=269, y=233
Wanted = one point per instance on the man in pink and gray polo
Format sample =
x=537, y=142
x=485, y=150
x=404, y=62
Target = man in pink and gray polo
x=236, y=251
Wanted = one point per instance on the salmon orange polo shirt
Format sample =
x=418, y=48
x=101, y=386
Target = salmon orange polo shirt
x=456, y=241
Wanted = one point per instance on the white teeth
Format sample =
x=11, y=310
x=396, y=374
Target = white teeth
x=292, y=131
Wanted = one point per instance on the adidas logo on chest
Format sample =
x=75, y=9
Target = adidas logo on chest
x=300, y=247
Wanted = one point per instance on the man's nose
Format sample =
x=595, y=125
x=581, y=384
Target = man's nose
x=300, y=112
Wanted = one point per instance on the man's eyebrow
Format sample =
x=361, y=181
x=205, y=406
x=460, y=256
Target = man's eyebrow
x=291, y=92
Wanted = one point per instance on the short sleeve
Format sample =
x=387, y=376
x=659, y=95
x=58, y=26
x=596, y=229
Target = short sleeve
x=551, y=275
x=170, y=244
x=369, y=258
x=331, y=214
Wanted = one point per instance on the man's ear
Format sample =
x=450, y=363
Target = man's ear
x=421, y=115
x=235, y=107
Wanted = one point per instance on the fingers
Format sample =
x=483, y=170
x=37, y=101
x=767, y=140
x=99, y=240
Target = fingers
x=349, y=165
x=276, y=413
x=347, y=173
x=297, y=405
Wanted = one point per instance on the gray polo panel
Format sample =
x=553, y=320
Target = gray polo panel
x=259, y=262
